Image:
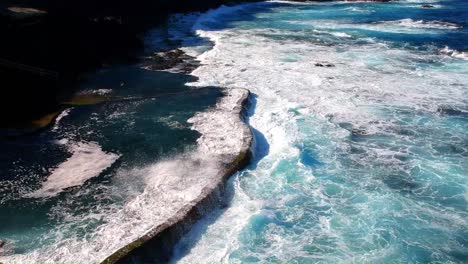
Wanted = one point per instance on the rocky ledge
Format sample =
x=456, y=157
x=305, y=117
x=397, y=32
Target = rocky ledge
x=234, y=154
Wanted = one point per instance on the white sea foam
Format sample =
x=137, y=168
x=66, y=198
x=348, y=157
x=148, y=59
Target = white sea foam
x=150, y=194
x=87, y=160
x=97, y=91
x=359, y=9
x=59, y=118
x=287, y=94
x=220, y=239
x=220, y=134
x=341, y=34
x=405, y=26
x=168, y=121
x=454, y=53
x=408, y=22
x=102, y=91
x=365, y=77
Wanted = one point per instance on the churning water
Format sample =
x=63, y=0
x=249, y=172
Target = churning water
x=361, y=120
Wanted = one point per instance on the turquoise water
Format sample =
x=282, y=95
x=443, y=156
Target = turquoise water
x=361, y=120
x=360, y=115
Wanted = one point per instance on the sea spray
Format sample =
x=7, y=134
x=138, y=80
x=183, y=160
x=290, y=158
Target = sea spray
x=194, y=183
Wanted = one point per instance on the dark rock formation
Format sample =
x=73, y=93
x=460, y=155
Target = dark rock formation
x=47, y=45
x=450, y=111
x=156, y=246
x=172, y=60
x=43, y=54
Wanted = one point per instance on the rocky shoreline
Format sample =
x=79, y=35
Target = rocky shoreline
x=70, y=39
x=156, y=245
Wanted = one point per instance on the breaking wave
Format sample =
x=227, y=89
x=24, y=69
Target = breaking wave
x=408, y=22
x=143, y=198
x=454, y=53
x=356, y=162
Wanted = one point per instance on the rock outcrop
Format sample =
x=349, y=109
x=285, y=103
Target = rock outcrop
x=69, y=39
x=156, y=245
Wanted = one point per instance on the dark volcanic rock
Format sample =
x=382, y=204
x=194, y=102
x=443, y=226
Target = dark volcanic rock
x=427, y=6
x=173, y=60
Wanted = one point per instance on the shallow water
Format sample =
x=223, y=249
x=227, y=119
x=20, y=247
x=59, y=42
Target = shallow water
x=361, y=120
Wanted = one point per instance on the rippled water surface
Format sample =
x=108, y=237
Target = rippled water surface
x=360, y=115
x=361, y=119
x=91, y=183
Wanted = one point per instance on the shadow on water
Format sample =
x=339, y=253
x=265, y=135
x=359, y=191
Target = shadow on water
x=133, y=141
x=397, y=182
x=260, y=149
x=307, y=157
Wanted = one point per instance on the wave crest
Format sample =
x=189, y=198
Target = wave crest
x=454, y=53
x=408, y=22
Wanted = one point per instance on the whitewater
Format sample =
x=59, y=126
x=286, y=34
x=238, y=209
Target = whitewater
x=360, y=116
x=359, y=113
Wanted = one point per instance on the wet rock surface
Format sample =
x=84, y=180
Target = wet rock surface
x=156, y=245
x=173, y=60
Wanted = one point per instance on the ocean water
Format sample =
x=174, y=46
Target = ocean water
x=100, y=177
x=360, y=117
x=360, y=113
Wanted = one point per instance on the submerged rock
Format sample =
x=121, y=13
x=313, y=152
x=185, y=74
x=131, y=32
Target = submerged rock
x=5, y=248
x=318, y=64
x=427, y=6
x=449, y=111
x=359, y=132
